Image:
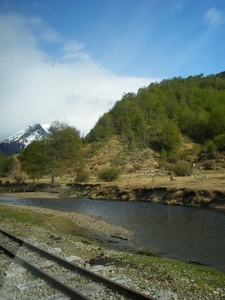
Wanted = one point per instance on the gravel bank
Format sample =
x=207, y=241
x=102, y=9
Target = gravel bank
x=152, y=278
x=95, y=225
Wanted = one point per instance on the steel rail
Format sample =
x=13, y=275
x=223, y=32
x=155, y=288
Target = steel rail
x=59, y=285
x=85, y=272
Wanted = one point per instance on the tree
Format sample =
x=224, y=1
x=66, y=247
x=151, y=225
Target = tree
x=6, y=164
x=11, y=166
x=220, y=141
x=102, y=130
x=169, y=137
x=217, y=121
x=33, y=159
x=60, y=151
x=63, y=150
x=3, y=159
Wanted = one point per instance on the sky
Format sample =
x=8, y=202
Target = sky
x=71, y=60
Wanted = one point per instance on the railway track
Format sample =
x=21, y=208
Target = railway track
x=59, y=278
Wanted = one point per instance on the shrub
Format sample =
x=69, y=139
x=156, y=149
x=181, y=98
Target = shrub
x=108, y=174
x=163, y=154
x=210, y=146
x=173, y=156
x=220, y=141
x=95, y=146
x=209, y=165
x=118, y=162
x=169, y=156
x=147, y=252
x=183, y=169
x=82, y=176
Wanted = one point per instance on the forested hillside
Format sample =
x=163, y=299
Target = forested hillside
x=159, y=115
x=176, y=122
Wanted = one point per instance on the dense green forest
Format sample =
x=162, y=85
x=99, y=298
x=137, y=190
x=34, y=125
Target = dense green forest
x=160, y=114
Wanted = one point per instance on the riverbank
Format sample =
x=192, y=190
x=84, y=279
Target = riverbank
x=158, y=277
x=181, y=197
x=184, y=191
x=95, y=228
x=206, y=190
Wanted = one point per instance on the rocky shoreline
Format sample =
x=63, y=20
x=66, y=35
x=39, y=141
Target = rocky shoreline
x=99, y=229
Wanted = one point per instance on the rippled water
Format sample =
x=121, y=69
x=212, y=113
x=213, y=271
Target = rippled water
x=176, y=232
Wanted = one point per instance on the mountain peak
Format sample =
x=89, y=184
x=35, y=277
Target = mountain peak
x=20, y=140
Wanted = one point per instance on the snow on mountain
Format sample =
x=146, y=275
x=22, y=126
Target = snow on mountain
x=20, y=140
x=46, y=127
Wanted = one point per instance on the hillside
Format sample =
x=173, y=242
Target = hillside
x=146, y=135
x=146, y=165
x=144, y=176
x=160, y=115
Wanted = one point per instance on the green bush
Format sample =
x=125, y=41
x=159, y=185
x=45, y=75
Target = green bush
x=210, y=146
x=209, y=165
x=108, y=174
x=147, y=252
x=163, y=154
x=82, y=176
x=6, y=163
x=183, y=169
x=220, y=141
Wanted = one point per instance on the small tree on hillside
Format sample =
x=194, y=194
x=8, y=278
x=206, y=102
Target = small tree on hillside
x=216, y=123
x=169, y=137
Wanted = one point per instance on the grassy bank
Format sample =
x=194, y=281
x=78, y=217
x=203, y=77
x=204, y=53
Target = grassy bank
x=46, y=222
x=170, y=272
x=167, y=273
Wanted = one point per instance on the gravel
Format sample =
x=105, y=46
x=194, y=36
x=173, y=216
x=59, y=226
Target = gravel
x=144, y=279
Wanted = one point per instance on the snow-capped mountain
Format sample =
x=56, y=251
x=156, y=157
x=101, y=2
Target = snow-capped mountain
x=17, y=142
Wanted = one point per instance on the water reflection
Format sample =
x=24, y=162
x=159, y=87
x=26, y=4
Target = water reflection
x=176, y=232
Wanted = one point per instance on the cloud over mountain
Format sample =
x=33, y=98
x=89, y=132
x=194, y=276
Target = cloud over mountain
x=68, y=85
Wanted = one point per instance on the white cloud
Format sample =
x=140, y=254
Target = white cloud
x=178, y=6
x=213, y=17
x=74, y=51
x=36, y=88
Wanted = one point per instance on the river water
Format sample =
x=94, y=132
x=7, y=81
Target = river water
x=176, y=232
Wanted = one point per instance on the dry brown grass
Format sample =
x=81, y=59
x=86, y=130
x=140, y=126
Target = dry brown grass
x=142, y=168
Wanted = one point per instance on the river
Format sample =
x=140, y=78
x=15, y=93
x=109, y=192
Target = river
x=175, y=232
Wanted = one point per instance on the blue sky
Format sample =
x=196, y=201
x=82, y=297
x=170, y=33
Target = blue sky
x=71, y=60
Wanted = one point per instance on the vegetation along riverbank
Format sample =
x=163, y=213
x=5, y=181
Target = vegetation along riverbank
x=184, y=191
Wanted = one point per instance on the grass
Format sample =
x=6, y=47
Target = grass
x=44, y=221
x=168, y=270
x=147, y=252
